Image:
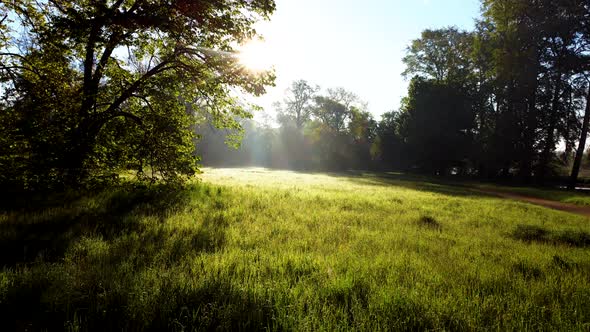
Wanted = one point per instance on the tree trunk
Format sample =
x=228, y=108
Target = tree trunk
x=550, y=142
x=569, y=146
x=74, y=172
x=526, y=161
x=568, y=152
x=581, y=145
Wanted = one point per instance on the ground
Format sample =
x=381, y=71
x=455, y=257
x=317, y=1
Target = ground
x=255, y=249
x=550, y=202
x=580, y=198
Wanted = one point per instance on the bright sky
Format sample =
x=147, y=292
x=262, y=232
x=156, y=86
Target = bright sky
x=353, y=44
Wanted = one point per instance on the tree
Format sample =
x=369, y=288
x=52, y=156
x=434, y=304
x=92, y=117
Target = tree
x=331, y=113
x=298, y=105
x=346, y=98
x=516, y=68
x=442, y=54
x=85, y=76
x=388, y=147
x=336, y=109
x=561, y=44
x=582, y=145
x=520, y=76
x=363, y=131
x=436, y=125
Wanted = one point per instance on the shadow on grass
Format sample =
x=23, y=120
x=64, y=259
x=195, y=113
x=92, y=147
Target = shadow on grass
x=529, y=233
x=211, y=306
x=81, y=262
x=37, y=229
x=414, y=182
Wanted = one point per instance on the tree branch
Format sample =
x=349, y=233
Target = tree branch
x=128, y=93
x=87, y=89
x=106, y=55
x=144, y=99
x=127, y=115
x=59, y=7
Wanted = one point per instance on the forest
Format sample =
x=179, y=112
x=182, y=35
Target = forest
x=507, y=101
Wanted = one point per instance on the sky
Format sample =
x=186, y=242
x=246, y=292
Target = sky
x=354, y=44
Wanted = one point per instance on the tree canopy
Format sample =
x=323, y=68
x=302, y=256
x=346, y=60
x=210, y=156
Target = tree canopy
x=93, y=87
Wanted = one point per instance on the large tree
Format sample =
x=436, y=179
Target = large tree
x=441, y=54
x=93, y=84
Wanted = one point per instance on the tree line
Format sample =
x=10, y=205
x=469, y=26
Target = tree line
x=90, y=89
x=316, y=131
x=501, y=98
x=494, y=102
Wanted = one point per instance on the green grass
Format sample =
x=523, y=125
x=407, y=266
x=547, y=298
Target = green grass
x=251, y=249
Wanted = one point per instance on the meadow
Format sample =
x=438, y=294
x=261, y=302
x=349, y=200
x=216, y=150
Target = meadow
x=255, y=249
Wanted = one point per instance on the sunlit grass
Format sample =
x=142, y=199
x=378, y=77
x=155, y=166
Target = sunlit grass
x=259, y=249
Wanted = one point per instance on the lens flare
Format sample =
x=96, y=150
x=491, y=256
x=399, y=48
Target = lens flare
x=256, y=56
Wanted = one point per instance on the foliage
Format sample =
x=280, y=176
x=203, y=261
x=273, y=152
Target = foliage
x=495, y=102
x=436, y=126
x=442, y=54
x=99, y=87
x=331, y=113
x=522, y=75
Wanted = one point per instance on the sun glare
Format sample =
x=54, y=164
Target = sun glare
x=256, y=56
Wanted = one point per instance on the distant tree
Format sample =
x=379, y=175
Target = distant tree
x=362, y=128
x=345, y=97
x=388, y=146
x=331, y=113
x=105, y=85
x=298, y=104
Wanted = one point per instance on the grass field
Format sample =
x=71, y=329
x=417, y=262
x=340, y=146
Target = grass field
x=252, y=249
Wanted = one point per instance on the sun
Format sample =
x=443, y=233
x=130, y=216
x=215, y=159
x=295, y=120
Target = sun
x=256, y=56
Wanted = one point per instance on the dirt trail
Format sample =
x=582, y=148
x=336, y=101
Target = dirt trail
x=576, y=209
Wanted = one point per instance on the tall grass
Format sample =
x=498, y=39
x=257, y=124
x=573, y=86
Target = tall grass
x=251, y=249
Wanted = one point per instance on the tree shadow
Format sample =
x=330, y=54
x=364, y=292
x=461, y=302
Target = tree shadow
x=81, y=261
x=410, y=181
x=49, y=227
x=213, y=305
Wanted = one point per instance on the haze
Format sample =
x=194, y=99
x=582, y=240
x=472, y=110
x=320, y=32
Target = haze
x=353, y=44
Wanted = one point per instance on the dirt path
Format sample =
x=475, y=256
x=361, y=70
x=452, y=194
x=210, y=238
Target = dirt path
x=576, y=209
